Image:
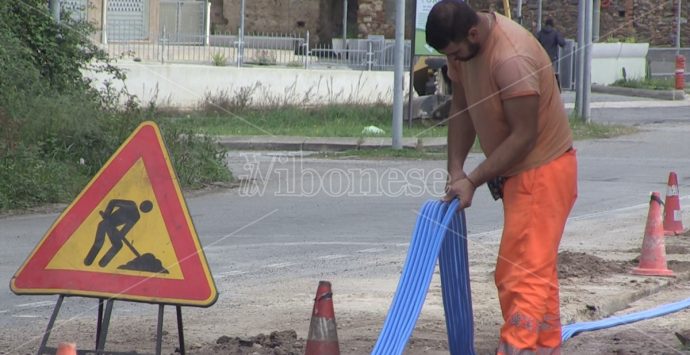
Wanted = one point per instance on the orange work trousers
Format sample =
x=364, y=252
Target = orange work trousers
x=536, y=205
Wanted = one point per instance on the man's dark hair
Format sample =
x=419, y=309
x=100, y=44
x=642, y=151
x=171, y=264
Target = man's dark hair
x=549, y=22
x=449, y=21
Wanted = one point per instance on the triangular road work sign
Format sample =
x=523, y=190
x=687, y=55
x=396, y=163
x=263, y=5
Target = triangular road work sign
x=128, y=235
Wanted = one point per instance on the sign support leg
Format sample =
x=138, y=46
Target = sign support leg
x=49, y=328
x=180, y=332
x=99, y=321
x=104, y=326
x=159, y=331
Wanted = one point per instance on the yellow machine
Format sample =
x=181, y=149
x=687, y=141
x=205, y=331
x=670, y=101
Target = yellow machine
x=428, y=79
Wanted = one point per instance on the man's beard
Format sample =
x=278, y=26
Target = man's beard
x=473, y=48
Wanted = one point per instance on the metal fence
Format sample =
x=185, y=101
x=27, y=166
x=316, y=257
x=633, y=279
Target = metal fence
x=275, y=49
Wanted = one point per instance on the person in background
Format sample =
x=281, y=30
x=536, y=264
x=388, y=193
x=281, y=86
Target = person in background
x=505, y=94
x=551, y=39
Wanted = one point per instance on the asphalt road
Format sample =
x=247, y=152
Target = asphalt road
x=297, y=216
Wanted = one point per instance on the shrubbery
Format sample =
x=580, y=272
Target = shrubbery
x=56, y=130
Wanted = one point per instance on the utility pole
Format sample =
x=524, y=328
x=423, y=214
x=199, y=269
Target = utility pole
x=240, y=37
x=678, y=20
x=580, y=57
x=539, y=15
x=104, y=23
x=55, y=10
x=344, y=23
x=587, y=72
x=397, y=123
x=596, y=15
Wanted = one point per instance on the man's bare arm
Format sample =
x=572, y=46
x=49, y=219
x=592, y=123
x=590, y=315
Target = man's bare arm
x=461, y=133
x=522, y=116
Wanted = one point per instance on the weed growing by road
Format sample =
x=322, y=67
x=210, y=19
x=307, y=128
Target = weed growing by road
x=56, y=129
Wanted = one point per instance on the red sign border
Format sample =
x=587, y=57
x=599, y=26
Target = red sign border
x=196, y=288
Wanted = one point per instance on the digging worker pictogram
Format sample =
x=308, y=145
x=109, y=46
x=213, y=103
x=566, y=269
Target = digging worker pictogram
x=118, y=219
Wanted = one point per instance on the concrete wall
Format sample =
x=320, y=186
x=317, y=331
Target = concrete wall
x=609, y=60
x=185, y=86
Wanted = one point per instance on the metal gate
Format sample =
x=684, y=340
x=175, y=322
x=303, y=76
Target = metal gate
x=182, y=22
x=128, y=20
x=76, y=9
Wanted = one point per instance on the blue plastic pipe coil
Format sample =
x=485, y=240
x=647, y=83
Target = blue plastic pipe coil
x=571, y=330
x=440, y=232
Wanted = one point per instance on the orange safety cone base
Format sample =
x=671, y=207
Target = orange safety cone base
x=67, y=349
x=673, y=233
x=653, y=253
x=652, y=272
x=322, y=348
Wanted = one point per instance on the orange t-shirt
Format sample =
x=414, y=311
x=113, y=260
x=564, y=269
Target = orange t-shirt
x=512, y=63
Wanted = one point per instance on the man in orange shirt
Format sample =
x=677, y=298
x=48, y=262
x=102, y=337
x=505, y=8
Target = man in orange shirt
x=504, y=93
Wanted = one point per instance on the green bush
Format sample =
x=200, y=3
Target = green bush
x=29, y=179
x=56, y=130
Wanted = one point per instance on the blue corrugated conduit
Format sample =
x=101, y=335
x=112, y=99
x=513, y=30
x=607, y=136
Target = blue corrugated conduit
x=440, y=232
x=571, y=330
x=455, y=286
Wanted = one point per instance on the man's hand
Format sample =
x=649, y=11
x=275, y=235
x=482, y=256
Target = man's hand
x=463, y=189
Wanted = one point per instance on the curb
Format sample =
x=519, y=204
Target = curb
x=654, y=94
x=335, y=144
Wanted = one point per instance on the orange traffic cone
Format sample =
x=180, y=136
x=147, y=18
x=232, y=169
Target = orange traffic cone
x=653, y=258
x=323, y=337
x=67, y=349
x=673, y=221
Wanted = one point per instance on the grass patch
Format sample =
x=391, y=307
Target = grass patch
x=583, y=130
x=649, y=84
x=322, y=121
x=341, y=121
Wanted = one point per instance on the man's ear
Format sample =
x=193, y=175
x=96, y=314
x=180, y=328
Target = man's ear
x=473, y=34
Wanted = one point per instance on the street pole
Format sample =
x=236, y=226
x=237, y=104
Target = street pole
x=678, y=20
x=344, y=23
x=240, y=44
x=587, y=72
x=596, y=16
x=104, y=23
x=539, y=15
x=580, y=57
x=519, y=11
x=55, y=10
x=397, y=123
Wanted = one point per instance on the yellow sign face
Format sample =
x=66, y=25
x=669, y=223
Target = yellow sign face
x=128, y=235
x=148, y=235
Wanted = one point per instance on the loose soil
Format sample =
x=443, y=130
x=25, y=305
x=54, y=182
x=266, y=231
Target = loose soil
x=595, y=262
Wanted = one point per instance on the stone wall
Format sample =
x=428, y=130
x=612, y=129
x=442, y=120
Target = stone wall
x=650, y=21
x=377, y=17
x=268, y=16
x=371, y=19
x=322, y=18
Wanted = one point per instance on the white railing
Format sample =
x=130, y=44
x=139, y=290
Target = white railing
x=273, y=49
